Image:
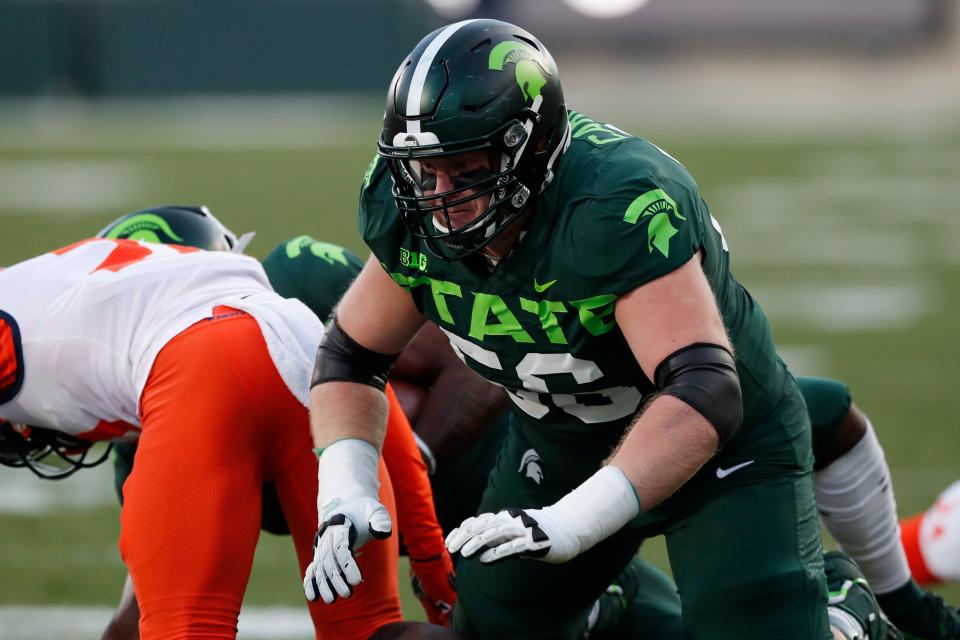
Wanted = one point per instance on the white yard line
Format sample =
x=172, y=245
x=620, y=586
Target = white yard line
x=802, y=200
x=70, y=187
x=23, y=493
x=29, y=622
x=842, y=308
x=195, y=123
x=826, y=247
x=805, y=360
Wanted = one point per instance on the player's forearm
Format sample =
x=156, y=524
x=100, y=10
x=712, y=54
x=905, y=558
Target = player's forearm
x=664, y=448
x=342, y=410
x=347, y=420
x=477, y=406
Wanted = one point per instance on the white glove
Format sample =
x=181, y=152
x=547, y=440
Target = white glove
x=592, y=512
x=513, y=533
x=349, y=513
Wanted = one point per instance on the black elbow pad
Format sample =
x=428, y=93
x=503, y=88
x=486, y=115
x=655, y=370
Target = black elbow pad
x=341, y=358
x=705, y=377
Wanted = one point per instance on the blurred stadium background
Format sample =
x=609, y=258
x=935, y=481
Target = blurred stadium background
x=824, y=135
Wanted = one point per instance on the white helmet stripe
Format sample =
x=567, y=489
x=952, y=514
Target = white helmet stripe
x=528, y=127
x=561, y=148
x=415, y=93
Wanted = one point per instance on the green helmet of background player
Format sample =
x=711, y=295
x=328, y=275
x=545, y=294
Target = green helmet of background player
x=477, y=85
x=187, y=225
x=54, y=455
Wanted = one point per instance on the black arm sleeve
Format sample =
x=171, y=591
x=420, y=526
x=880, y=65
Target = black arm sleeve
x=705, y=377
x=341, y=358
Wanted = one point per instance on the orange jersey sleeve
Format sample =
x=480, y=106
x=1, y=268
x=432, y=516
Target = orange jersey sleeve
x=417, y=519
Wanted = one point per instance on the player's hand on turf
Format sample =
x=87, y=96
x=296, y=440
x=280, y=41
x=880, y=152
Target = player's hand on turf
x=512, y=533
x=433, y=582
x=334, y=572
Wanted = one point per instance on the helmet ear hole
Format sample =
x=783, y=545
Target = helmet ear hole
x=543, y=145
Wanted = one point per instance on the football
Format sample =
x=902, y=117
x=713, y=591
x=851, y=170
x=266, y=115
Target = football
x=411, y=397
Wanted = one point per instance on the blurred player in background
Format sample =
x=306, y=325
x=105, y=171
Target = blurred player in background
x=328, y=275
x=192, y=353
x=855, y=496
x=932, y=539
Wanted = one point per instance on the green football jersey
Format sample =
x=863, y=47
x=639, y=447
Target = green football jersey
x=619, y=213
x=317, y=273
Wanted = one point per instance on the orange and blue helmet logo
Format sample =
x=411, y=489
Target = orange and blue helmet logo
x=11, y=358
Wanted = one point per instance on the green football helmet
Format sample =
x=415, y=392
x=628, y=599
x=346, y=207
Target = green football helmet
x=187, y=225
x=474, y=86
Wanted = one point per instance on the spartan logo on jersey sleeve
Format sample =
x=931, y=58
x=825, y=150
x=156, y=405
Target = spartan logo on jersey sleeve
x=530, y=465
x=11, y=358
x=656, y=207
x=329, y=253
x=370, y=169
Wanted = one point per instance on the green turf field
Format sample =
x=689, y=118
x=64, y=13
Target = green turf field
x=851, y=244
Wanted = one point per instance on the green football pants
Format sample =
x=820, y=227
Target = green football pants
x=742, y=535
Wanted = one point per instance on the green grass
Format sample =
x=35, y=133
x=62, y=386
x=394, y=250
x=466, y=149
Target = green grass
x=854, y=244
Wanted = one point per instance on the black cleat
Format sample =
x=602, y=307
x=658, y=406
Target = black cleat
x=850, y=597
x=921, y=615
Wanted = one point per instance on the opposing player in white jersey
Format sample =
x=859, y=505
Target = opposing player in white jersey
x=195, y=355
x=316, y=281
x=932, y=539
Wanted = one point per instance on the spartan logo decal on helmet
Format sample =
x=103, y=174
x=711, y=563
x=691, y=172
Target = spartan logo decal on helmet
x=145, y=226
x=485, y=96
x=187, y=225
x=529, y=73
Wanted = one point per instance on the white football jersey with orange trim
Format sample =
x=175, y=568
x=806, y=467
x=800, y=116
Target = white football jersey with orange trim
x=81, y=327
x=940, y=535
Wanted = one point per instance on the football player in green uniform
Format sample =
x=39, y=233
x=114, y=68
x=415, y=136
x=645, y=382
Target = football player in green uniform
x=577, y=267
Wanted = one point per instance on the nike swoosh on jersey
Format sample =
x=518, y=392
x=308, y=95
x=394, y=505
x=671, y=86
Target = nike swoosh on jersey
x=543, y=287
x=723, y=473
